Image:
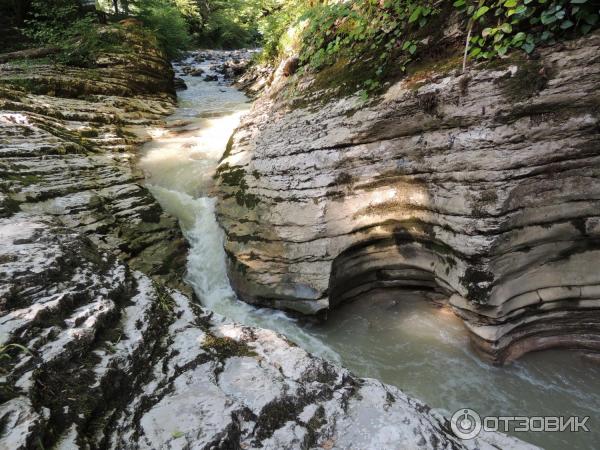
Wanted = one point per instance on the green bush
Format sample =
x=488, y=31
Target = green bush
x=231, y=23
x=502, y=25
x=166, y=21
x=221, y=31
x=367, y=35
x=381, y=34
x=58, y=23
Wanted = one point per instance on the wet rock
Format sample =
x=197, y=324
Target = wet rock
x=211, y=78
x=180, y=84
x=487, y=183
x=116, y=359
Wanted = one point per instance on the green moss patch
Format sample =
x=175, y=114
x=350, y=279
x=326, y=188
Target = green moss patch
x=226, y=347
x=529, y=80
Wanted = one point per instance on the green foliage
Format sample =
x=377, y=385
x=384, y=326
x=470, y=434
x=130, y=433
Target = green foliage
x=373, y=31
x=166, y=21
x=274, y=27
x=503, y=25
x=58, y=23
x=231, y=23
x=381, y=34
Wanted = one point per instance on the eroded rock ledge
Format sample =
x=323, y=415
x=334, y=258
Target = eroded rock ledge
x=484, y=187
x=104, y=351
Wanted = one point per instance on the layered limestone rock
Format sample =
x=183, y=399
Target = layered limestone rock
x=98, y=348
x=67, y=142
x=117, y=360
x=483, y=187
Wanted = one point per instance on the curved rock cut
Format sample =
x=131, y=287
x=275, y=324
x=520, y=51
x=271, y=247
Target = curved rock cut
x=484, y=187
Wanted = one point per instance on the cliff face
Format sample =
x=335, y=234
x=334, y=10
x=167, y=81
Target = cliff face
x=483, y=187
x=98, y=348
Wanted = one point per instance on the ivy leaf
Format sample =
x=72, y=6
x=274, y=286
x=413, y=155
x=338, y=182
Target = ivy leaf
x=546, y=35
x=480, y=12
x=566, y=24
x=528, y=47
x=591, y=19
x=459, y=3
x=510, y=3
x=521, y=9
x=506, y=27
x=415, y=15
x=412, y=49
x=518, y=38
x=548, y=19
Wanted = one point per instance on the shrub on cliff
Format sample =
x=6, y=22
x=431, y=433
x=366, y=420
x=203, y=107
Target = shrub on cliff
x=59, y=23
x=384, y=33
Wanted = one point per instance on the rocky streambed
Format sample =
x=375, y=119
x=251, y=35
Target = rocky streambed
x=103, y=345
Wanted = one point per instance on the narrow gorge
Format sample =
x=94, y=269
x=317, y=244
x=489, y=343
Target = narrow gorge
x=201, y=250
x=118, y=354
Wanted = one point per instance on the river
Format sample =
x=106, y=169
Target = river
x=401, y=340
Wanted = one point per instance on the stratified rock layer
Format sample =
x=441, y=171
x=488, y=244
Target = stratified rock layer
x=98, y=348
x=484, y=187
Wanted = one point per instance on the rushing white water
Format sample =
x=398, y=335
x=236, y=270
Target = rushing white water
x=397, y=338
x=179, y=164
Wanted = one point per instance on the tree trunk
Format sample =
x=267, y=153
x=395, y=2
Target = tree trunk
x=21, y=7
x=125, y=7
x=116, y=6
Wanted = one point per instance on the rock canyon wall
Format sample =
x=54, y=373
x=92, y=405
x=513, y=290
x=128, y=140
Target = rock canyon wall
x=483, y=188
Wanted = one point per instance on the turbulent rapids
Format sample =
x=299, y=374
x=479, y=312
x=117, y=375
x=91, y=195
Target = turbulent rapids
x=400, y=337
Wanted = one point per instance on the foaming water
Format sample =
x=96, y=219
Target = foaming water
x=394, y=336
x=179, y=165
